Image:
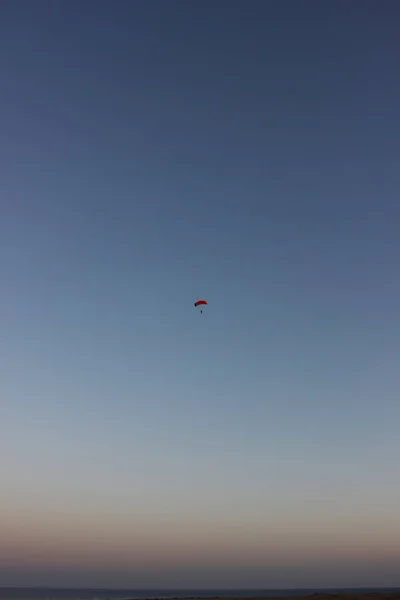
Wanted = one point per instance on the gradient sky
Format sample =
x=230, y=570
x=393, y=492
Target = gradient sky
x=157, y=151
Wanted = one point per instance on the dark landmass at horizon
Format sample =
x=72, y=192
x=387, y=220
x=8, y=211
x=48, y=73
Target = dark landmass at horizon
x=345, y=595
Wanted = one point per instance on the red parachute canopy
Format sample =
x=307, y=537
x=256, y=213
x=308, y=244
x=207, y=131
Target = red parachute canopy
x=200, y=302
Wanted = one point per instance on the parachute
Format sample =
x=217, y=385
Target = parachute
x=201, y=303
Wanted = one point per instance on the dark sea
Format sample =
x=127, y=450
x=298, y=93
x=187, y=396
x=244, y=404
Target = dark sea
x=26, y=593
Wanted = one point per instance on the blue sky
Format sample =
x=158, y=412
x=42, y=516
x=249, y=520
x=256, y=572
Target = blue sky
x=153, y=153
